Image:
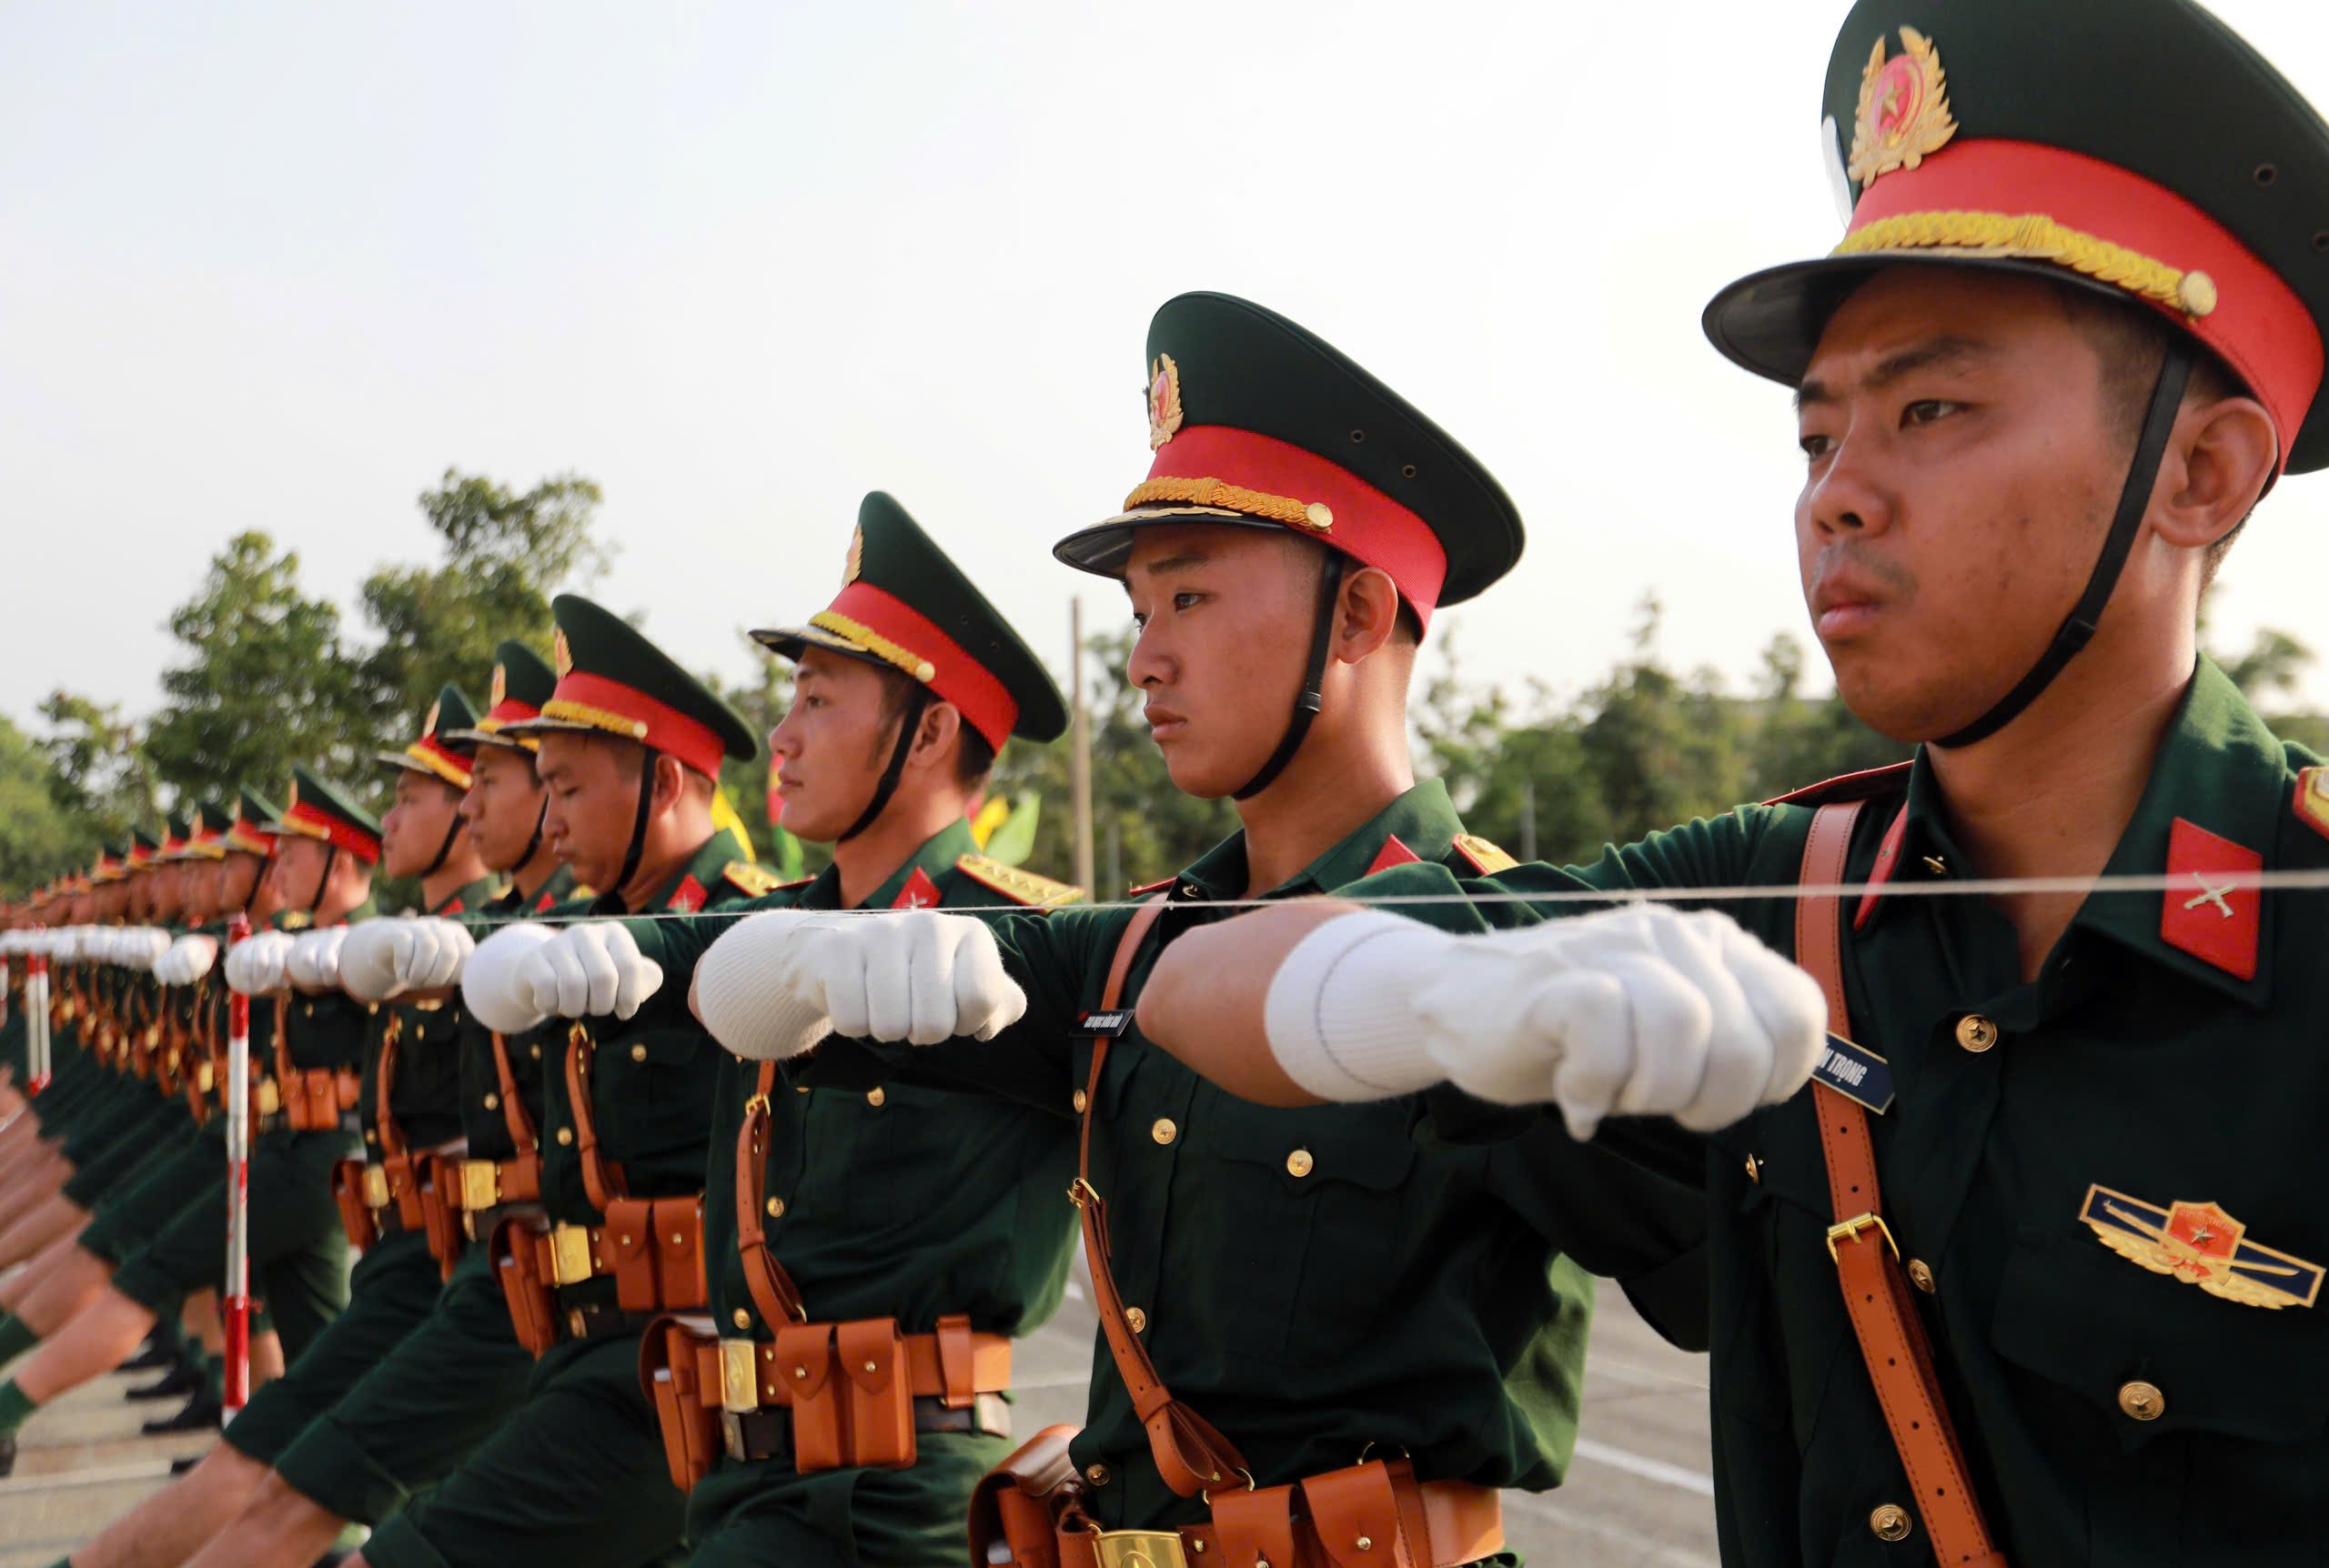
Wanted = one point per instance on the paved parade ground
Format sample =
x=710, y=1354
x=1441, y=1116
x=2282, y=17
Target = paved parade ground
x=1637, y=1494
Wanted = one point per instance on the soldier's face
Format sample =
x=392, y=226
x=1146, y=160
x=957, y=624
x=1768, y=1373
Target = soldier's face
x=165, y=895
x=416, y=826
x=198, y=892
x=833, y=743
x=295, y=875
x=1961, y=473
x=1225, y=615
x=111, y=900
x=238, y=875
x=503, y=806
x=593, y=783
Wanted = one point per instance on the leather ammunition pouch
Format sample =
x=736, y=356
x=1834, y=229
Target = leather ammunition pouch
x=532, y=1300
x=314, y=1098
x=822, y=1396
x=440, y=1180
x=651, y=1248
x=356, y=1215
x=1029, y=1511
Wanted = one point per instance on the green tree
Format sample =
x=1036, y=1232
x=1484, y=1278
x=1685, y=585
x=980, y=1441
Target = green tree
x=266, y=682
x=99, y=768
x=39, y=836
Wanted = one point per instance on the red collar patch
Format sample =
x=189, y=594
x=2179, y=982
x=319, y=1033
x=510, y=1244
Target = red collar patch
x=1888, y=859
x=1393, y=853
x=2205, y=913
x=452, y=909
x=919, y=893
x=687, y=896
x=544, y=902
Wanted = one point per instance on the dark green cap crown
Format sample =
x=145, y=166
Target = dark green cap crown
x=522, y=682
x=318, y=808
x=435, y=752
x=604, y=665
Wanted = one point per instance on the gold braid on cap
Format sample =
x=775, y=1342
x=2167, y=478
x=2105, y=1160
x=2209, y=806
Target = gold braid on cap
x=1283, y=509
x=2035, y=236
x=871, y=641
x=582, y=713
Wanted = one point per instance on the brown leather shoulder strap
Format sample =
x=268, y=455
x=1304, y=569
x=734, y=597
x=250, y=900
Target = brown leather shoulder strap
x=774, y=1295
x=602, y=1179
x=384, y=1119
x=514, y=1115
x=1190, y=1454
x=1868, y=1265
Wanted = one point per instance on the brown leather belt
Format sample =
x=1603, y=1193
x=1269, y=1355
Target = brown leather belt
x=747, y=1375
x=1461, y=1523
x=765, y=1436
x=486, y=1191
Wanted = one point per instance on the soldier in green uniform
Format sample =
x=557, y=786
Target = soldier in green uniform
x=1306, y=1316
x=2062, y=1144
x=505, y=806
x=904, y=1213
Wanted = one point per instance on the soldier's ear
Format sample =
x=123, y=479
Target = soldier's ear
x=1370, y=612
x=2219, y=464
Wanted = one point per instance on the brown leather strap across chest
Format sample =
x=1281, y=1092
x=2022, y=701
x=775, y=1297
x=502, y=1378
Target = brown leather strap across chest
x=602, y=1179
x=1884, y=1315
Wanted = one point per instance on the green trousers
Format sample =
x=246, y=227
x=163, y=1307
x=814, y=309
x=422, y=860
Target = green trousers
x=744, y=1516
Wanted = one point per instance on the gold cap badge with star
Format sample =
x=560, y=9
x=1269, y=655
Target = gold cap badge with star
x=1164, y=401
x=1903, y=109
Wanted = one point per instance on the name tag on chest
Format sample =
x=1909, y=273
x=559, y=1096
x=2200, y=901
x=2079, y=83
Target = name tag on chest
x=1110, y=1023
x=1856, y=1073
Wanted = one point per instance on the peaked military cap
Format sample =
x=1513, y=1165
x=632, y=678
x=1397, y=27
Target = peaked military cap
x=175, y=832
x=250, y=832
x=1257, y=422
x=2137, y=148
x=109, y=867
x=905, y=606
x=207, y=832
x=435, y=752
x=522, y=682
x=613, y=681
x=144, y=849
x=317, y=810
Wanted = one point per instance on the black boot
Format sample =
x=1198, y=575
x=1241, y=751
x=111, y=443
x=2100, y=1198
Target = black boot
x=180, y=1466
x=153, y=1358
x=202, y=1413
x=8, y=1454
x=176, y=1384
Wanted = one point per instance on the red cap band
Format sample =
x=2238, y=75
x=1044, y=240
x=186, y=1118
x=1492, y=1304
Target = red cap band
x=2258, y=325
x=653, y=724
x=1368, y=526
x=332, y=830
x=985, y=706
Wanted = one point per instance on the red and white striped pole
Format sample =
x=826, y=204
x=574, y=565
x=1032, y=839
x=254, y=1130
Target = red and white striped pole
x=237, y=1311
x=36, y=1023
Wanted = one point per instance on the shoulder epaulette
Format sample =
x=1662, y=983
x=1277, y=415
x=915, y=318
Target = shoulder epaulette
x=1861, y=786
x=2312, y=799
x=295, y=921
x=1485, y=858
x=751, y=878
x=1020, y=886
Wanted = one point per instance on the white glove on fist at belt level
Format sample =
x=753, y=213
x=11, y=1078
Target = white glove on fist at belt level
x=1645, y=1011
x=186, y=960
x=255, y=964
x=386, y=958
x=523, y=973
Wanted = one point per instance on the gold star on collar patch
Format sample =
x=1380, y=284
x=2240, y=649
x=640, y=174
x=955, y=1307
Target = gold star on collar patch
x=2201, y=1245
x=1164, y=401
x=1903, y=109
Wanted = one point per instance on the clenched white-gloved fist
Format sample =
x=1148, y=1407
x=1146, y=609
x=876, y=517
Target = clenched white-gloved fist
x=778, y=982
x=314, y=963
x=254, y=965
x=385, y=958
x=139, y=946
x=1646, y=1011
x=587, y=971
x=489, y=979
x=187, y=959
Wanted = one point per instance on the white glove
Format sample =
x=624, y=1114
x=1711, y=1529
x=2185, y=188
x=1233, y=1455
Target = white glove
x=386, y=957
x=777, y=983
x=141, y=946
x=585, y=970
x=187, y=959
x=254, y=965
x=314, y=963
x=490, y=983
x=1645, y=1011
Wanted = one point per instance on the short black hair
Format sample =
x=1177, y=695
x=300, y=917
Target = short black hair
x=974, y=756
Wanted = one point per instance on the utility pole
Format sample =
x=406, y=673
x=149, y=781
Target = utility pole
x=1080, y=757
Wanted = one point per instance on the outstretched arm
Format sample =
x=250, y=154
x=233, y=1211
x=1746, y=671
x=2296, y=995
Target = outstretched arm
x=1206, y=999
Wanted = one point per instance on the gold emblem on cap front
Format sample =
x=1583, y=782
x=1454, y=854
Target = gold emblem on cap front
x=1164, y=401
x=562, y=658
x=500, y=689
x=429, y=725
x=856, y=562
x=1903, y=109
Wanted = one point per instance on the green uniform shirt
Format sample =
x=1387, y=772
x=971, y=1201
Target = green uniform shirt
x=1314, y=1282
x=650, y=1080
x=900, y=1201
x=2129, y=1063
x=425, y=1094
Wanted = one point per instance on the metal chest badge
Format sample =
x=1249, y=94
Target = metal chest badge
x=1164, y=401
x=2201, y=1245
x=1903, y=109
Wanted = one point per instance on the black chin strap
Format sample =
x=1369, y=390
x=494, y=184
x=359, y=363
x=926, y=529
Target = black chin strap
x=323, y=883
x=446, y=847
x=541, y=815
x=2078, y=627
x=638, y=827
x=908, y=726
x=1314, y=678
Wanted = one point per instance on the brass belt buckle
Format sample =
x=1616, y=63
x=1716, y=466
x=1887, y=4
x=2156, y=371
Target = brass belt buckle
x=1138, y=1549
x=270, y=1099
x=376, y=1187
x=570, y=1254
x=480, y=1184
x=206, y=1076
x=739, y=1383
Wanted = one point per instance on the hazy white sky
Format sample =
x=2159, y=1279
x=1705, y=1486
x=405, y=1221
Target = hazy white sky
x=277, y=266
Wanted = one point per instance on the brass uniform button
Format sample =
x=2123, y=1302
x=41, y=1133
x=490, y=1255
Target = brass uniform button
x=565, y=1136
x=492, y=1101
x=876, y=1099
x=776, y=1208
x=1137, y=1318
x=537, y=1049
x=1299, y=1163
x=1891, y=1522
x=2142, y=1401
x=1097, y=1474
x=1921, y=1276
x=1079, y=1102
x=639, y=1053
x=371, y=1136
x=740, y=1318
x=800, y=1088
x=1163, y=1131
x=1976, y=1033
